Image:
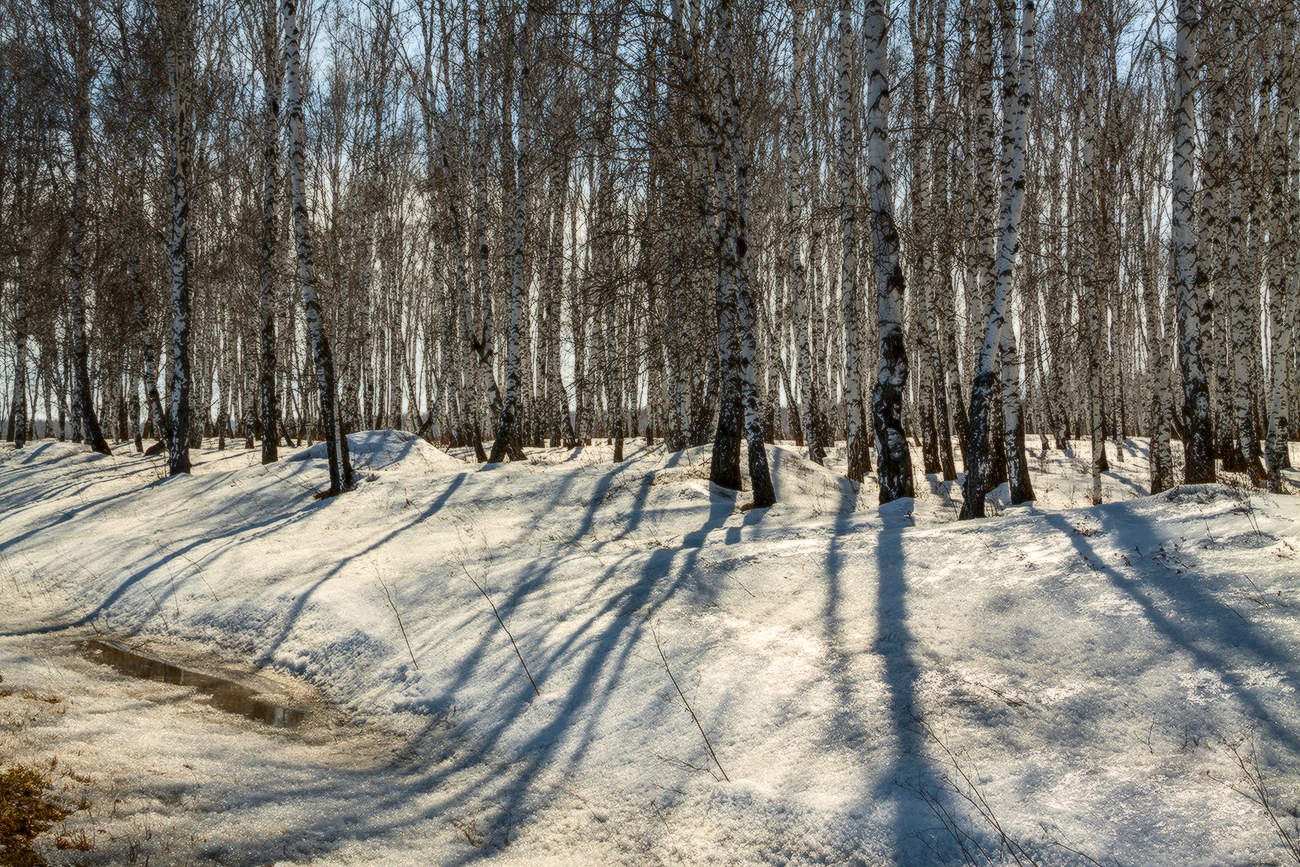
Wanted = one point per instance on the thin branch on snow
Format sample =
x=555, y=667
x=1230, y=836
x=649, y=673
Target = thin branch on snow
x=973, y=796
x=659, y=647
x=1257, y=791
x=400, y=625
x=497, y=614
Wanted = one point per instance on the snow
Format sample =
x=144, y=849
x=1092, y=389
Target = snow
x=1088, y=669
x=382, y=450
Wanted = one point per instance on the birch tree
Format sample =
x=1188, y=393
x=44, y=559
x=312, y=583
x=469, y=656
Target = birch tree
x=336, y=444
x=736, y=253
x=268, y=283
x=180, y=59
x=977, y=444
x=1186, y=283
x=508, y=440
x=1283, y=273
x=810, y=412
x=893, y=456
x=859, y=454
x=79, y=41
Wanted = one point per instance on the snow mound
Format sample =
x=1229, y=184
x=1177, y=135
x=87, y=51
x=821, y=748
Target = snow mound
x=50, y=451
x=876, y=682
x=801, y=482
x=1202, y=494
x=385, y=449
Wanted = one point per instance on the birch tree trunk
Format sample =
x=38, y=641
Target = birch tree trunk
x=1159, y=325
x=736, y=252
x=508, y=441
x=18, y=416
x=1017, y=98
x=83, y=399
x=1092, y=291
x=859, y=453
x=482, y=341
x=893, y=456
x=1238, y=446
x=1188, y=286
x=982, y=248
x=978, y=445
x=796, y=179
x=336, y=444
x=148, y=355
x=179, y=64
x=923, y=223
x=1283, y=273
x=724, y=469
x=267, y=283
x=947, y=387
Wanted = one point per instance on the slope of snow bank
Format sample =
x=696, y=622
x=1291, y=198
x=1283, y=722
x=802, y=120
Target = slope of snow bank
x=384, y=450
x=1086, y=669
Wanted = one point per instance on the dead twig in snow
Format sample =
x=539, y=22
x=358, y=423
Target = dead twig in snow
x=685, y=764
x=400, y=625
x=470, y=830
x=659, y=647
x=1257, y=791
x=503, y=626
x=973, y=796
x=955, y=830
x=1055, y=842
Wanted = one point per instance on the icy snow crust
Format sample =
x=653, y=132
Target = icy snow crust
x=1088, y=669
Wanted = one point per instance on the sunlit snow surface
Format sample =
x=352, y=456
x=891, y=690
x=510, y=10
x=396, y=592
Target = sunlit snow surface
x=1089, y=669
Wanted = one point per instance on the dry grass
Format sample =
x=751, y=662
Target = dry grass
x=25, y=813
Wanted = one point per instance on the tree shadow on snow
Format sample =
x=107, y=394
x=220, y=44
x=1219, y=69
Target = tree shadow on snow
x=578, y=665
x=907, y=791
x=150, y=564
x=295, y=610
x=1192, y=619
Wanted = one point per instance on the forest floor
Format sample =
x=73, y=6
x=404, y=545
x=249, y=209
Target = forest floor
x=1057, y=683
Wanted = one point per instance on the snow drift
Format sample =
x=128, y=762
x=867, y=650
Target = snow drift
x=384, y=450
x=878, y=686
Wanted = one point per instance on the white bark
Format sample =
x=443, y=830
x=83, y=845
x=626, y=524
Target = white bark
x=337, y=444
x=893, y=456
x=859, y=454
x=83, y=399
x=978, y=445
x=1016, y=102
x=796, y=180
x=1186, y=284
x=1284, y=265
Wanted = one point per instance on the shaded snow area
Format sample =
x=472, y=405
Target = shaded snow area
x=1059, y=684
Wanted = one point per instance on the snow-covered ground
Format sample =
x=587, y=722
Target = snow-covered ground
x=879, y=686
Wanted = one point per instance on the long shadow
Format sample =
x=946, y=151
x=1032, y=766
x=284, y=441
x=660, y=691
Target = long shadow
x=537, y=576
x=275, y=520
x=1191, y=618
x=272, y=521
x=637, y=515
x=300, y=602
x=83, y=509
x=17, y=498
x=911, y=776
x=846, y=723
x=659, y=562
x=1138, y=490
x=607, y=654
x=512, y=786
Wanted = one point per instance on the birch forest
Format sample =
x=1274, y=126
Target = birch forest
x=971, y=226
x=650, y=432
